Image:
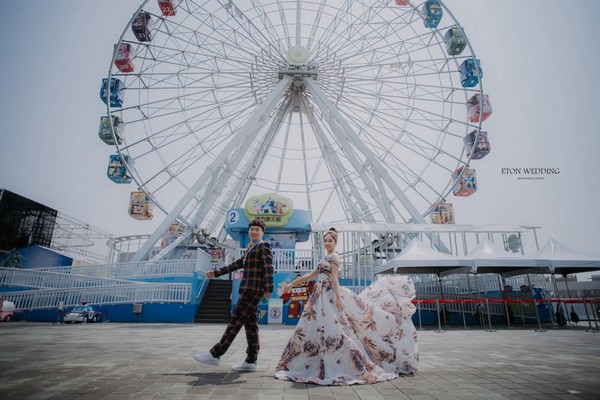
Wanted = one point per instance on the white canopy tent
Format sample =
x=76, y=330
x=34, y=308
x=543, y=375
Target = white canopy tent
x=564, y=260
x=490, y=258
x=418, y=258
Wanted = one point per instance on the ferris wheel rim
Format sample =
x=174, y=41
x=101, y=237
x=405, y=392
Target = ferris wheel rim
x=144, y=185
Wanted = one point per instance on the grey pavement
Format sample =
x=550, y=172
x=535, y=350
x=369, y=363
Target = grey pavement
x=114, y=361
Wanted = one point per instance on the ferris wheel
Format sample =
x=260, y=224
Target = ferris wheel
x=358, y=111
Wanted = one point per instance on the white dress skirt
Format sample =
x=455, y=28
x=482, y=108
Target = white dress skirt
x=372, y=340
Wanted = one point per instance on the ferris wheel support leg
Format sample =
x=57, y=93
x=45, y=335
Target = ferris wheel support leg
x=252, y=125
x=333, y=117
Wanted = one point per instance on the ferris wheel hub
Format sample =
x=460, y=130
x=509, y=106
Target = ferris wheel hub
x=297, y=56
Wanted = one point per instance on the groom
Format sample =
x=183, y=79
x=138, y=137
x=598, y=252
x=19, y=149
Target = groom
x=257, y=281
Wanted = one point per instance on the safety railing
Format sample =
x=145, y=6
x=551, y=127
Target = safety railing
x=486, y=307
x=130, y=270
x=32, y=278
x=119, y=294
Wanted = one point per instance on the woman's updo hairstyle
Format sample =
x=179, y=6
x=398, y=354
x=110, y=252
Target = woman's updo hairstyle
x=333, y=233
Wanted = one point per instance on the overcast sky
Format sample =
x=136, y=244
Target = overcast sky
x=540, y=59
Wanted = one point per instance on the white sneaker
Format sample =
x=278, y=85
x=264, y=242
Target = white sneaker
x=206, y=358
x=244, y=367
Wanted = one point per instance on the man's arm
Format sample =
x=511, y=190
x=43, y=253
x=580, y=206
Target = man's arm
x=267, y=258
x=234, y=266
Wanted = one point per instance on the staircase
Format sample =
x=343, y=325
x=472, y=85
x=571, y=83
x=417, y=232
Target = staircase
x=216, y=303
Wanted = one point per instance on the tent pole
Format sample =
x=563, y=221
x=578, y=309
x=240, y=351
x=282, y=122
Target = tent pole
x=535, y=306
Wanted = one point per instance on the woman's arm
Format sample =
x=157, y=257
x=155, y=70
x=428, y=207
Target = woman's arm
x=304, y=278
x=335, y=269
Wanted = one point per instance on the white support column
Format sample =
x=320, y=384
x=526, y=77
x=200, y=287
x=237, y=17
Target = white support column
x=333, y=116
x=251, y=127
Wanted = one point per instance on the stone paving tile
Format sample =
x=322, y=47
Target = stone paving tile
x=110, y=361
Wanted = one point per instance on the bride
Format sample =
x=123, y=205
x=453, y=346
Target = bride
x=343, y=338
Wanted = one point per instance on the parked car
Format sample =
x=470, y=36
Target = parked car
x=84, y=314
x=7, y=309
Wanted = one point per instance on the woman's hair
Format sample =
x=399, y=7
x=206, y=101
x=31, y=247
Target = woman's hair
x=333, y=232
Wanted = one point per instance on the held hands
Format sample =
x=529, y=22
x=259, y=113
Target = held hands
x=210, y=274
x=339, y=304
x=287, y=288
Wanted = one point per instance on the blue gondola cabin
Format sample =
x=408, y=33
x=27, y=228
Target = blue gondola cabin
x=115, y=91
x=142, y=26
x=141, y=206
x=443, y=213
x=477, y=147
x=118, y=171
x=168, y=7
x=470, y=72
x=432, y=13
x=466, y=184
x=455, y=40
x=105, y=131
x=478, y=109
x=123, y=58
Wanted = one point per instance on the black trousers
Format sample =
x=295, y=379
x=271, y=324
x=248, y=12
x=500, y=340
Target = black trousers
x=245, y=315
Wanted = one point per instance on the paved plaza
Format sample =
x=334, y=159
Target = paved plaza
x=114, y=361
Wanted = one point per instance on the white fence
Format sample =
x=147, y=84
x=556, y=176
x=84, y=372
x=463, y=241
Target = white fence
x=120, y=294
x=98, y=284
x=131, y=270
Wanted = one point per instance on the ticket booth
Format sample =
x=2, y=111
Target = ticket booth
x=284, y=228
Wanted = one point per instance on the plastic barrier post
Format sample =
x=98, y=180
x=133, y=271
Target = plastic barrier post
x=587, y=314
x=437, y=303
x=419, y=313
x=462, y=310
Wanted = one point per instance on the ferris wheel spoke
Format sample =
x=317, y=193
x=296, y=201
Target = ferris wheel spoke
x=388, y=155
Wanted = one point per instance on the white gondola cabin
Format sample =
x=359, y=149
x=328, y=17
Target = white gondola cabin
x=443, y=213
x=466, y=184
x=112, y=95
x=470, y=72
x=117, y=170
x=123, y=58
x=432, y=13
x=455, y=40
x=478, y=109
x=477, y=147
x=105, y=131
x=142, y=26
x=168, y=7
x=141, y=206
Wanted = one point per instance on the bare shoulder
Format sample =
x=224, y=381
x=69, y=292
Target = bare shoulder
x=333, y=257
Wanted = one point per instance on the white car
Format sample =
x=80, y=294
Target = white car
x=84, y=314
x=7, y=308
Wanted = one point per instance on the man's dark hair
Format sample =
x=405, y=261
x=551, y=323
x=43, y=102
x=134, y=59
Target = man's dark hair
x=257, y=222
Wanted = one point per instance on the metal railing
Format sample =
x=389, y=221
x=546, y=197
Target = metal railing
x=31, y=278
x=130, y=270
x=118, y=294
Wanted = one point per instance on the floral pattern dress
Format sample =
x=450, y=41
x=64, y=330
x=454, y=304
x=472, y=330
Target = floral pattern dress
x=372, y=340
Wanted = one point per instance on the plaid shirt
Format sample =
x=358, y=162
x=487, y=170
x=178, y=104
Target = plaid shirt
x=258, y=269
